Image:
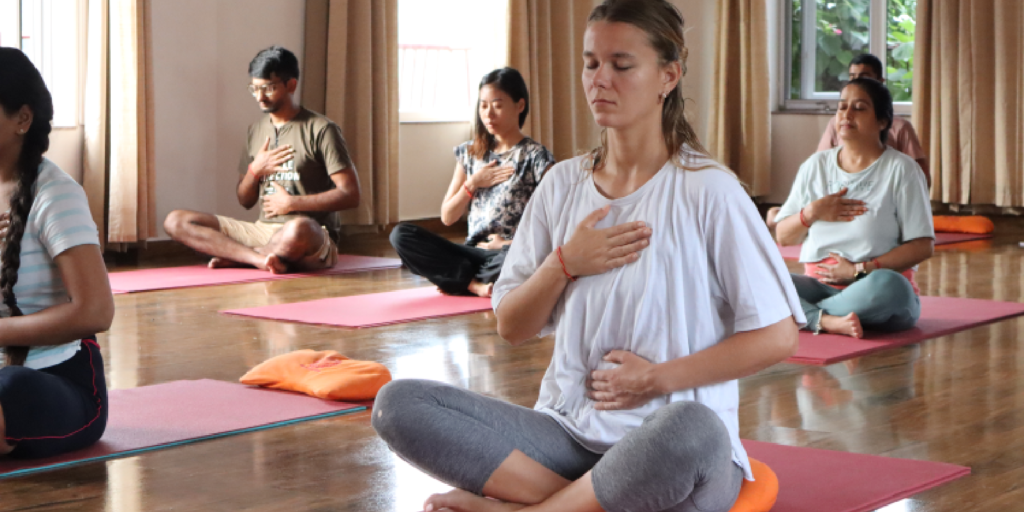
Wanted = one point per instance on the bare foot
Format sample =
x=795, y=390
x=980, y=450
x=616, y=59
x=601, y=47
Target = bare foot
x=217, y=262
x=480, y=289
x=274, y=265
x=848, y=325
x=462, y=501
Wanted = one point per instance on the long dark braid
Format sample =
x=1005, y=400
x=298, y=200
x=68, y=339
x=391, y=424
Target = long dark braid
x=22, y=85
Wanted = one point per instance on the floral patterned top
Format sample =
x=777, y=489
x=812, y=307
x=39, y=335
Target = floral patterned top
x=497, y=210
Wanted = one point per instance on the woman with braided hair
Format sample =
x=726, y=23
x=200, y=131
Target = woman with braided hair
x=56, y=296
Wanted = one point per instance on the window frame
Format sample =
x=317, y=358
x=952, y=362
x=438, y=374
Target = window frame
x=824, y=102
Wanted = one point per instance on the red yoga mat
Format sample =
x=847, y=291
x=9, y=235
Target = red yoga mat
x=199, y=275
x=792, y=252
x=186, y=411
x=813, y=480
x=370, y=310
x=939, y=316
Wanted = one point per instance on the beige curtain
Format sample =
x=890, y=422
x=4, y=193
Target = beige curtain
x=739, y=124
x=969, y=99
x=118, y=169
x=351, y=75
x=545, y=45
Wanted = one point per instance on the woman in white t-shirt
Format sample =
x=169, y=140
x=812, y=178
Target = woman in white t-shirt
x=863, y=215
x=53, y=282
x=650, y=263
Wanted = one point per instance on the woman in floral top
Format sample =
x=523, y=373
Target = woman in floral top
x=495, y=175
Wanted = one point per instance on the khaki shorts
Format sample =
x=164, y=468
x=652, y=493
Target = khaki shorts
x=258, y=234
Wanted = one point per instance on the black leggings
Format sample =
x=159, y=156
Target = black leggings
x=57, y=409
x=448, y=265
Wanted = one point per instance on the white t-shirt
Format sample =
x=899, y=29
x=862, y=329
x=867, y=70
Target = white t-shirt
x=59, y=220
x=896, y=194
x=711, y=270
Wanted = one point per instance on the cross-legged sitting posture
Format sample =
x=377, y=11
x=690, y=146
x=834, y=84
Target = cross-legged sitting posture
x=650, y=264
x=56, y=297
x=863, y=215
x=495, y=175
x=296, y=167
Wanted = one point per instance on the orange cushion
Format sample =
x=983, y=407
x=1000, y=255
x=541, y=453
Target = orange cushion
x=759, y=495
x=974, y=224
x=326, y=374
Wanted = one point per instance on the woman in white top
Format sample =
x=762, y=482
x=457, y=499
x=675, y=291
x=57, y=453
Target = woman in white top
x=650, y=263
x=56, y=296
x=863, y=215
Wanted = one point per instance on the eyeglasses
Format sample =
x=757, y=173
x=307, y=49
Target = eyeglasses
x=266, y=89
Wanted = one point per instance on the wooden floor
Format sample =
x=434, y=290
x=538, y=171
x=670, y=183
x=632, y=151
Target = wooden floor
x=956, y=399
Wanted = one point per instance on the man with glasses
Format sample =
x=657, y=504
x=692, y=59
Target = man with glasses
x=296, y=167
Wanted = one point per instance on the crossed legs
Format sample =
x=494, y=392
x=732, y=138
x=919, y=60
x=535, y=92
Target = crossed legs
x=524, y=458
x=298, y=245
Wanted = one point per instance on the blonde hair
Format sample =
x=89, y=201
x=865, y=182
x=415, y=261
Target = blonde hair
x=663, y=24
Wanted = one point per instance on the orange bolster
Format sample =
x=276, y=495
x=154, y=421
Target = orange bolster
x=759, y=495
x=973, y=224
x=328, y=375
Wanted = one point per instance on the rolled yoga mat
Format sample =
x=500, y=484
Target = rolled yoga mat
x=813, y=480
x=939, y=316
x=199, y=275
x=370, y=310
x=175, y=413
x=792, y=252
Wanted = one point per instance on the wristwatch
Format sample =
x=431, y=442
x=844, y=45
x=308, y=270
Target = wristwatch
x=861, y=271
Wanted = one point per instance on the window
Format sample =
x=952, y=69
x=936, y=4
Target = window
x=825, y=35
x=47, y=31
x=444, y=48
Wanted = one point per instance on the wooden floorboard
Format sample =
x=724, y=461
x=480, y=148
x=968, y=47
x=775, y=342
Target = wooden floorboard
x=957, y=399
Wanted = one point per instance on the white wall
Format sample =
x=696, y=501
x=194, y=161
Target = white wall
x=201, y=53
x=425, y=166
x=66, y=150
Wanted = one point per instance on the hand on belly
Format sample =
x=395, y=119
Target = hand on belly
x=630, y=384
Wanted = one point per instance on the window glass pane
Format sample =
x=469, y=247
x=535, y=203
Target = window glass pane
x=49, y=36
x=900, y=48
x=843, y=31
x=796, y=32
x=10, y=31
x=444, y=48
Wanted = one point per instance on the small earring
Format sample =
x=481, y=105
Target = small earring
x=21, y=131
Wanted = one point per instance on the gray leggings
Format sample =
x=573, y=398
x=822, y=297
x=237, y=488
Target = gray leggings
x=884, y=301
x=679, y=460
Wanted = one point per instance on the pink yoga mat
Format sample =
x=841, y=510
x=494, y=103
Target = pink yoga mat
x=370, y=310
x=812, y=480
x=792, y=252
x=199, y=275
x=175, y=413
x=939, y=316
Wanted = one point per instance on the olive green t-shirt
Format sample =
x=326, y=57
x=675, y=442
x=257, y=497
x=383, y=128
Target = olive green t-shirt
x=319, y=152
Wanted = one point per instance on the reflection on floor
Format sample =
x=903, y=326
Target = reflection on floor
x=956, y=399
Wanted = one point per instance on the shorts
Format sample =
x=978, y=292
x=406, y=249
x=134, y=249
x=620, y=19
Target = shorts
x=259, y=233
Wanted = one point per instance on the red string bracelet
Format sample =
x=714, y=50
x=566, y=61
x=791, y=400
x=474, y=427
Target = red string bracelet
x=803, y=220
x=468, y=191
x=562, y=261
x=877, y=264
